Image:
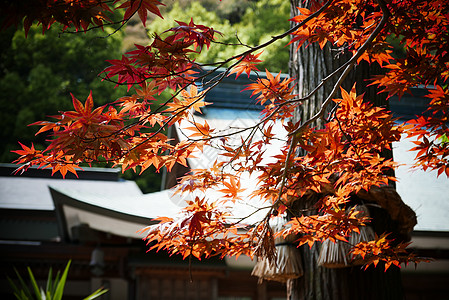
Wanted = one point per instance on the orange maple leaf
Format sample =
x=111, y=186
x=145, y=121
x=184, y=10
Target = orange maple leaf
x=247, y=64
x=233, y=188
x=193, y=98
x=200, y=130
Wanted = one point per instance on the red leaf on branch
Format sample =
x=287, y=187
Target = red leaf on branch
x=247, y=64
x=198, y=35
x=142, y=7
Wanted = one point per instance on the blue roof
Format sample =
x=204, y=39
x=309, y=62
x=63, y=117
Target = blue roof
x=229, y=93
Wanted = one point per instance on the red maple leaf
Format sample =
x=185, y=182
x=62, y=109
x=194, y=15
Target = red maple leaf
x=142, y=7
x=247, y=64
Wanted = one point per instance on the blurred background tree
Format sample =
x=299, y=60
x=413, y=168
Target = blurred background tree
x=251, y=22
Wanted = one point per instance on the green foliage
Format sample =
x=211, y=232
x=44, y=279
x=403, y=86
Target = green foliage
x=38, y=73
x=265, y=19
x=252, y=23
x=54, y=288
x=231, y=10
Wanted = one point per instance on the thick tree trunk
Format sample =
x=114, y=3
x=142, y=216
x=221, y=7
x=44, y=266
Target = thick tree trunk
x=309, y=65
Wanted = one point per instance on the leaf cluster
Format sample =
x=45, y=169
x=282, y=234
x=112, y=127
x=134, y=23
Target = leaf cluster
x=38, y=73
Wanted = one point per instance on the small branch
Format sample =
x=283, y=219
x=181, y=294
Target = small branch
x=286, y=166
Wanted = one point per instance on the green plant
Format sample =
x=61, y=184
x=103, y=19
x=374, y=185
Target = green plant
x=54, y=288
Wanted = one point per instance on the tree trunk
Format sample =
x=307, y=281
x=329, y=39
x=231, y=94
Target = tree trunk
x=309, y=65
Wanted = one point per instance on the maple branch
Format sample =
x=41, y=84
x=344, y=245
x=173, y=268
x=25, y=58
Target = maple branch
x=173, y=116
x=122, y=23
x=322, y=82
x=350, y=140
x=240, y=43
x=241, y=219
x=221, y=76
x=257, y=125
x=276, y=37
x=269, y=137
x=286, y=166
x=248, y=138
x=160, y=107
x=350, y=64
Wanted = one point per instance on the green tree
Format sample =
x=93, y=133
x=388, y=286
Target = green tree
x=262, y=21
x=253, y=24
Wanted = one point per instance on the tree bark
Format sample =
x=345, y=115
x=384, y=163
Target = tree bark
x=309, y=65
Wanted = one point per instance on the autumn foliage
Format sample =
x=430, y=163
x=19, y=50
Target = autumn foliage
x=341, y=160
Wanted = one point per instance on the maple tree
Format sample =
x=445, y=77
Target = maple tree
x=342, y=159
